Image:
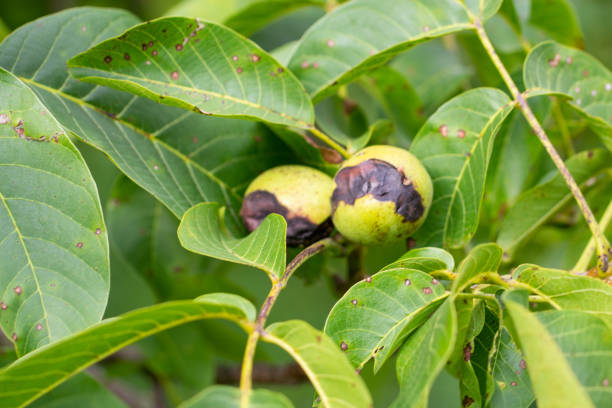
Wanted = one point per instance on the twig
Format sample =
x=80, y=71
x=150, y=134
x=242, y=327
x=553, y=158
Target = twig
x=583, y=263
x=604, y=251
x=246, y=375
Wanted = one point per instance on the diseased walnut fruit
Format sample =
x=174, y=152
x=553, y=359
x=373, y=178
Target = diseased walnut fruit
x=300, y=194
x=382, y=194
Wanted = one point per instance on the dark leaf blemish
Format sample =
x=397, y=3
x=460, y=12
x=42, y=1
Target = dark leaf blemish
x=467, y=401
x=467, y=352
x=381, y=180
x=108, y=59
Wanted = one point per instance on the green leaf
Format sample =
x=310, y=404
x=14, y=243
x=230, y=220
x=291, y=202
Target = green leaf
x=424, y=355
x=508, y=175
x=483, y=9
x=485, y=347
x=4, y=30
x=455, y=146
x=512, y=383
x=80, y=391
x=364, y=34
x=483, y=259
x=53, y=242
x=427, y=259
x=144, y=236
x=375, y=316
x=197, y=66
x=539, y=203
x=470, y=321
x=398, y=100
x=377, y=131
x=244, y=16
x=569, y=291
x=327, y=368
x=229, y=397
x=434, y=70
x=28, y=378
x=182, y=158
x=551, y=68
x=586, y=342
x=308, y=151
x=202, y=231
x=546, y=363
x=558, y=19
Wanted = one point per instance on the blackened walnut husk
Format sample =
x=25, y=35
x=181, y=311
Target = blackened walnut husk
x=300, y=230
x=384, y=182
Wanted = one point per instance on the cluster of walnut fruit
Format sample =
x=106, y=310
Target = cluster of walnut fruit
x=380, y=195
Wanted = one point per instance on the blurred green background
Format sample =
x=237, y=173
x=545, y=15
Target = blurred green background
x=183, y=360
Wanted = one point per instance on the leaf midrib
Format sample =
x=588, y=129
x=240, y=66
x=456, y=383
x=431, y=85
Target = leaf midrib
x=135, y=79
x=31, y=265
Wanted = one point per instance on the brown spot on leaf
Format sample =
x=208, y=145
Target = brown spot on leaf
x=427, y=290
x=354, y=302
x=39, y=327
x=368, y=279
x=467, y=401
x=461, y=133
x=348, y=106
x=127, y=56
x=3, y=306
x=383, y=182
x=14, y=336
x=467, y=352
x=18, y=290
x=79, y=245
x=179, y=47
x=300, y=230
x=108, y=59
x=513, y=383
x=407, y=282
x=344, y=346
x=174, y=75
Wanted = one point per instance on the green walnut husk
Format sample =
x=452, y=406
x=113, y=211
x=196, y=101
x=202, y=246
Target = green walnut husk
x=382, y=194
x=300, y=194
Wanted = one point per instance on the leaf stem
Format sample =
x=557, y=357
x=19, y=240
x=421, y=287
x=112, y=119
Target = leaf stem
x=583, y=263
x=246, y=380
x=331, y=143
x=604, y=251
x=330, y=5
